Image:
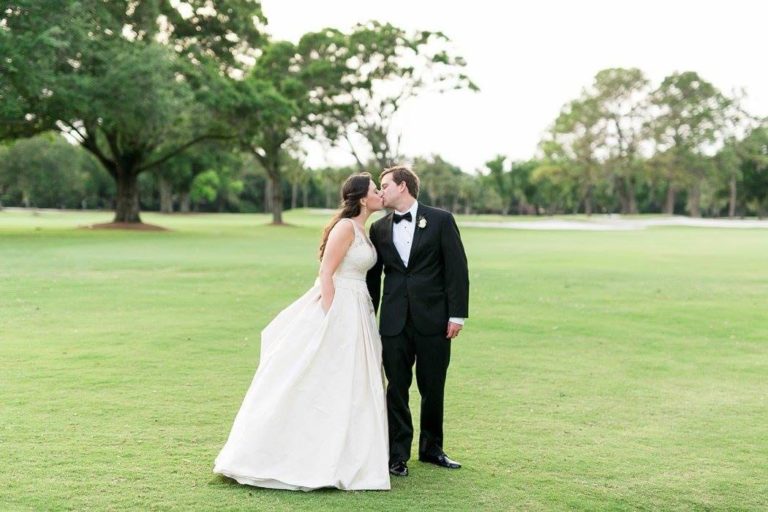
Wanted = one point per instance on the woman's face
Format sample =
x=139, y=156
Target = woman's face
x=373, y=199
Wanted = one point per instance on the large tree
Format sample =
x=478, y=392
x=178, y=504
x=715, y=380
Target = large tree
x=572, y=150
x=135, y=83
x=596, y=139
x=737, y=124
x=385, y=67
x=288, y=92
x=333, y=85
x=753, y=151
x=621, y=98
x=689, y=114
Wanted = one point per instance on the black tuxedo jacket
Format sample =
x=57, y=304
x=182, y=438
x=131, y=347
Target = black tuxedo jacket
x=434, y=286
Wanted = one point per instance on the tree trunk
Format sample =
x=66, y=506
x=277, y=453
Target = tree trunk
x=732, y=198
x=624, y=200
x=268, y=195
x=166, y=195
x=277, y=201
x=588, y=202
x=184, y=202
x=294, y=195
x=626, y=190
x=669, y=203
x=305, y=196
x=526, y=208
x=127, y=200
x=621, y=187
x=694, y=200
x=632, y=203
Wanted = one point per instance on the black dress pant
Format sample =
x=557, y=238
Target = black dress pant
x=431, y=355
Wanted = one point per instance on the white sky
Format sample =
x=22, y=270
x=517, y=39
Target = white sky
x=529, y=58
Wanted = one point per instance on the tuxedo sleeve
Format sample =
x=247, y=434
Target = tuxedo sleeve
x=373, y=278
x=456, y=272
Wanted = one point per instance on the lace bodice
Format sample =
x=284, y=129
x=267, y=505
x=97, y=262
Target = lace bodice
x=360, y=257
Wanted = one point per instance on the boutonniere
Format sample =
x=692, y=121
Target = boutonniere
x=422, y=222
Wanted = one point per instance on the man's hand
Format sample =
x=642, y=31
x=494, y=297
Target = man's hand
x=453, y=330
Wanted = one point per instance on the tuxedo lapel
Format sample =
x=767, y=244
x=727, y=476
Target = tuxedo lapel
x=389, y=242
x=416, y=234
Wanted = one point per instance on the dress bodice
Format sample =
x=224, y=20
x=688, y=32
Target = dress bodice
x=360, y=257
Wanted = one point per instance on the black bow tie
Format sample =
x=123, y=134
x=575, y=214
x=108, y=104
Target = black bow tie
x=406, y=216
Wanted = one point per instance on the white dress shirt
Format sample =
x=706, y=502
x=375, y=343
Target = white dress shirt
x=402, y=233
x=402, y=237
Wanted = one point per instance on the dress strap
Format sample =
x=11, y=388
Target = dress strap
x=359, y=233
x=354, y=225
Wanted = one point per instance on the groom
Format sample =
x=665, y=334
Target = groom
x=425, y=302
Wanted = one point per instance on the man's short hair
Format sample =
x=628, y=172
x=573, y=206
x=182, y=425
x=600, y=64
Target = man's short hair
x=401, y=173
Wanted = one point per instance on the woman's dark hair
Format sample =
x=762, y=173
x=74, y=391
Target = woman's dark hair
x=354, y=189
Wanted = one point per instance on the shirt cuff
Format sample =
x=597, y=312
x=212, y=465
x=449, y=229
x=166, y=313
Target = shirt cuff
x=455, y=320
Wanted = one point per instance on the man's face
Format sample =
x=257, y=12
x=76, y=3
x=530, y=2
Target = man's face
x=391, y=192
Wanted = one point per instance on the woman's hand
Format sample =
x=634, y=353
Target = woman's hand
x=325, y=302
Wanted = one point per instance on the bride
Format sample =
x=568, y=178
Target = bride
x=315, y=413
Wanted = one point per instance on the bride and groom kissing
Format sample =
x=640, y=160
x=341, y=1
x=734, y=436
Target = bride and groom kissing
x=319, y=411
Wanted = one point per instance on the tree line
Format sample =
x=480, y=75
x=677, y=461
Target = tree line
x=193, y=106
x=144, y=86
x=683, y=146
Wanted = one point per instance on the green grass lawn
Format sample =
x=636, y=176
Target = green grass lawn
x=598, y=370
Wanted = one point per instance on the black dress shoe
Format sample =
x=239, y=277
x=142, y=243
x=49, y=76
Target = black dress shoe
x=398, y=469
x=441, y=460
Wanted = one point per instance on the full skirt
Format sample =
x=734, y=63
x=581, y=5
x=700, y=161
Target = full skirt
x=315, y=413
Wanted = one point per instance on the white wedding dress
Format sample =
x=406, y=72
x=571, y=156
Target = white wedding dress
x=315, y=413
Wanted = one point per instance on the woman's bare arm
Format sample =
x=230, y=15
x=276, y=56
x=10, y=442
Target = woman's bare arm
x=339, y=240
